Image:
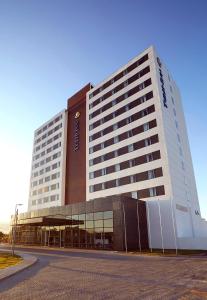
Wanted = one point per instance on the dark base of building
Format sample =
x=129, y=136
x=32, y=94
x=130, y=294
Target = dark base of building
x=111, y=223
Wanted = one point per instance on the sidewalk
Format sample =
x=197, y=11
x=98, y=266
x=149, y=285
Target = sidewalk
x=28, y=260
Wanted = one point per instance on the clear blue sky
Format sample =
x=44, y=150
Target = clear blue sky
x=51, y=48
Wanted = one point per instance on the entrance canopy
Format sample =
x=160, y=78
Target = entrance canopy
x=48, y=221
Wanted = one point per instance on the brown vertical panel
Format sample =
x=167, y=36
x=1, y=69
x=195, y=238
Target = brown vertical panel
x=75, y=183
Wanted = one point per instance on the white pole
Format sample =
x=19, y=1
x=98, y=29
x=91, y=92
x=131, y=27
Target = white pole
x=148, y=217
x=125, y=234
x=173, y=221
x=161, y=232
x=60, y=236
x=140, y=248
x=13, y=231
x=49, y=237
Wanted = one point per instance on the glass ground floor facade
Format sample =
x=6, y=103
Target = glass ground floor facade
x=111, y=223
x=91, y=230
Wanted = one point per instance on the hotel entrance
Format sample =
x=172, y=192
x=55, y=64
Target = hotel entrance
x=113, y=223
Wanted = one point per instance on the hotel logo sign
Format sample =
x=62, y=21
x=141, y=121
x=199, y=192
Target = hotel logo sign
x=162, y=83
x=76, y=134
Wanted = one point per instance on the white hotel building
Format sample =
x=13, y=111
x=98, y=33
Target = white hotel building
x=124, y=138
x=138, y=146
x=47, y=181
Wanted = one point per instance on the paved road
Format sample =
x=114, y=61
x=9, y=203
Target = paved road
x=81, y=274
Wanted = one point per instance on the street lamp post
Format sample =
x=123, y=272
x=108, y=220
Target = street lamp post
x=14, y=226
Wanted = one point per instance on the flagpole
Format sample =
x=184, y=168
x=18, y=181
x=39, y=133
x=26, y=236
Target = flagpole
x=173, y=221
x=140, y=248
x=148, y=217
x=161, y=232
x=125, y=234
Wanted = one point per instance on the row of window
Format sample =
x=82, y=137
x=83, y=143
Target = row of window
x=45, y=199
x=124, y=150
x=46, y=189
x=48, y=149
x=46, y=160
x=120, y=86
x=47, y=169
x=119, y=75
x=121, y=110
x=126, y=164
x=44, y=136
x=138, y=115
x=123, y=136
x=119, y=99
x=46, y=179
x=49, y=125
x=145, y=193
x=92, y=216
x=147, y=175
x=54, y=138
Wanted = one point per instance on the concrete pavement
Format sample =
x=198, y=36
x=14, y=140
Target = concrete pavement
x=28, y=261
x=82, y=274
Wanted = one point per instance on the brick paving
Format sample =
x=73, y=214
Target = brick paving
x=79, y=274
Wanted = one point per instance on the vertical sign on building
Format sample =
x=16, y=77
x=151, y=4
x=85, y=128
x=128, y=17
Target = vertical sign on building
x=76, y=137
x=162, y=83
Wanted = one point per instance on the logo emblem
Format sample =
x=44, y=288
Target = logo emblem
x=77, y=115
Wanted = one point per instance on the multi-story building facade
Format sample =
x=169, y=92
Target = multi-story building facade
x=47, y=181
x=138, y=146
x=125, y=137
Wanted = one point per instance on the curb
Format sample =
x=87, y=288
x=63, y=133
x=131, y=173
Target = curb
x=28, y=261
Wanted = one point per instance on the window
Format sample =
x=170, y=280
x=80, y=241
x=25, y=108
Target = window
x=116, y=139
x=151, y=174
x=146, y=126
x=130, y=148
x=152, y=192
x=45, y=199
x=91, y=175
x=147, y=142
x=117, y=167
x=176, y=124
x=46, y=189
x=108, y=214
x=40, y=201
x=56, y=175
x=55, y=166
x=98, y=216
x=91, y=189
x=47, y=169
x=132, y=179
x=173, y=101
x=53, y=198
x=47, y=178
x=41, y=181
x=149, y=157
x=48, y=159
x=115, y=126
x=41, y=171
x=180, y=151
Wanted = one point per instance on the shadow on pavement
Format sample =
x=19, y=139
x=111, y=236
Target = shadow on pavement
x=10, y=282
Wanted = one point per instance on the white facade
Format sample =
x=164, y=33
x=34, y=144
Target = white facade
x=118, y=163
x=47, y=182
